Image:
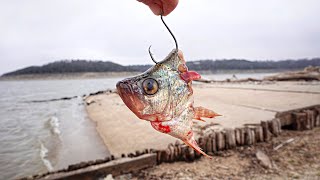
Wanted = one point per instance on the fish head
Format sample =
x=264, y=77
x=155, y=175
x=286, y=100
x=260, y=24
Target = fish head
x=162, y=92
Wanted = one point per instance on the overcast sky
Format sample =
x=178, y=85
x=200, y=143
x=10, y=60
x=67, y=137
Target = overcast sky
x=35, y=32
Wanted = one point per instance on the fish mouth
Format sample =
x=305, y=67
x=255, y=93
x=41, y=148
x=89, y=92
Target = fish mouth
x=130, y=97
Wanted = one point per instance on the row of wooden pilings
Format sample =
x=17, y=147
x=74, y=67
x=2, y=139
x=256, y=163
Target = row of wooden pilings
x=215, y=141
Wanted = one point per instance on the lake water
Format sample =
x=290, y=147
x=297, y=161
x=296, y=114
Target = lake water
x=45, y=136
x=37, y=137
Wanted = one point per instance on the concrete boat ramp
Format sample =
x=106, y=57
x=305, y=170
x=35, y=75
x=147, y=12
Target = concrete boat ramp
x=238, y=103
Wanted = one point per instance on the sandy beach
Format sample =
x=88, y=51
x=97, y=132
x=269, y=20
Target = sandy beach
x=238, y=103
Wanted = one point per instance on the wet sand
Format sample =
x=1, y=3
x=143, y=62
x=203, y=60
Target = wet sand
x=239, y=104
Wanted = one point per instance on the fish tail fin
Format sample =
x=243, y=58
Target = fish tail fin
x=192, y=143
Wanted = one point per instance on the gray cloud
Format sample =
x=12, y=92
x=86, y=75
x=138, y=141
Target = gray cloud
x=35, y=32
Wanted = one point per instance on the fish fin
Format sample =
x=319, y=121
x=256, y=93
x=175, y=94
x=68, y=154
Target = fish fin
x=199, y=119
x=190, y=76
x=192, y=143
x=204, y=112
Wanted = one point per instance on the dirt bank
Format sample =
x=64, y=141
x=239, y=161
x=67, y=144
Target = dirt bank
x=299, y=159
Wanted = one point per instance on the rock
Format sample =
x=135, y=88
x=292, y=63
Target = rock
x=108, y=177
x=263, y=159
x=124, y=177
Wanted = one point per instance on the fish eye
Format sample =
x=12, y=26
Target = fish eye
x=150, y=86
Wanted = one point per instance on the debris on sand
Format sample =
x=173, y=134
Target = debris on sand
x=308, y=74
x=263, y=159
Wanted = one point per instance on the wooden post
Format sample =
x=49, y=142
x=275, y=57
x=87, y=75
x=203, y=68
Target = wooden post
x=202, y=143
x=198, y=155
x=238, y=136
x=242, y=136
x=167, y=155
x=190, y=154
x=248, y=136
x=171, y=154
x=220, y=141
x=279, y=125
x=258, y=133
x=230, y=139
x=177, y=150
x=138, y=153
x=266, y=132
x=214, y=142
x=176, y=153
x=310, y=119
x=274, y=127
x=317, y=116
x=254, y=139
x=184, y=149
x=209, y=145
x=299, y=121
x=285, y=118
x=162, y=156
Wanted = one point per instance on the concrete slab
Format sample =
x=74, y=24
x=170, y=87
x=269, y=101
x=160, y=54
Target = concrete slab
x=240, y=104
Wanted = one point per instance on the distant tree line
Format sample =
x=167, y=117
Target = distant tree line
x=238, y=64
x=78, y=66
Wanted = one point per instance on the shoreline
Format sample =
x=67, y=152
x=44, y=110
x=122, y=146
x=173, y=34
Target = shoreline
x=95, y=123
x=67, y=76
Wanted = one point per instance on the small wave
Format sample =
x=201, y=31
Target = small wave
x=54, y=125
x=43, y=155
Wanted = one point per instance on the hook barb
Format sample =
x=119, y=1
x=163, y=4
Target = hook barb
x=150, y=53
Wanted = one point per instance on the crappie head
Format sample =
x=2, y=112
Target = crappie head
x=160, y=93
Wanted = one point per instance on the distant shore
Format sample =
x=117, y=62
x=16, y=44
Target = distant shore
x=62, y=76
x=95, y=75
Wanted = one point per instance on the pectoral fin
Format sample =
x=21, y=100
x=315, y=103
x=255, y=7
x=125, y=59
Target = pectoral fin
x=203, y=112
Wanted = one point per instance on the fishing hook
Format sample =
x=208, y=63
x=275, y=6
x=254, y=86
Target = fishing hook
x=174, y=38
x=152, y=55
